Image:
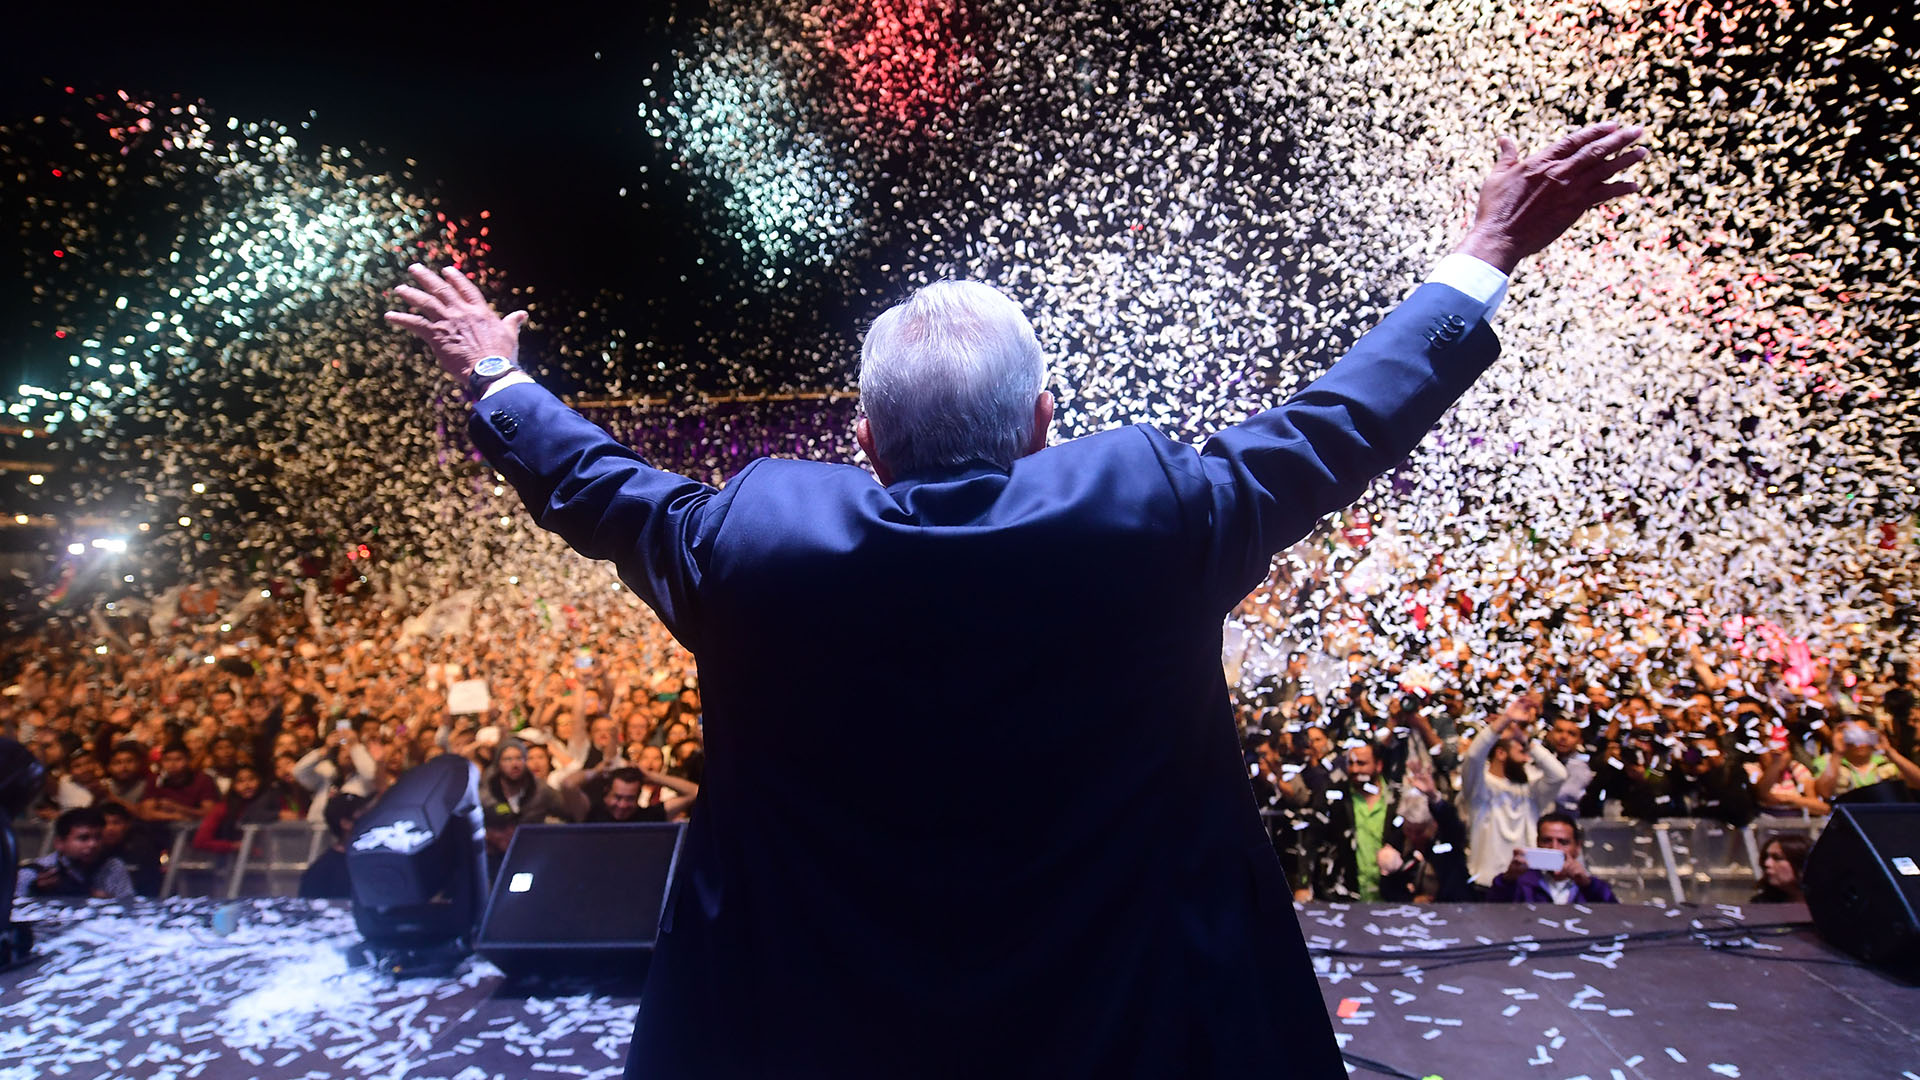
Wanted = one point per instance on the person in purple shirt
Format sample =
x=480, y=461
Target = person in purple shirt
x=182, y=792
x=1518, y=884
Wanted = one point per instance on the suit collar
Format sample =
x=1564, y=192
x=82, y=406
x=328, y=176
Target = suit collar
x=946, y=474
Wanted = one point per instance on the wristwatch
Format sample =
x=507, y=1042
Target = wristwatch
x=485, y=372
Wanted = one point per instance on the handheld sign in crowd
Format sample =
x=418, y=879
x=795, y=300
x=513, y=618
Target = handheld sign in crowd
x=468, y=696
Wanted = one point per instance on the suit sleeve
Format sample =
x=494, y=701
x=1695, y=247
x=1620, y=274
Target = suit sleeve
x=599, y=496
x=1277, y=473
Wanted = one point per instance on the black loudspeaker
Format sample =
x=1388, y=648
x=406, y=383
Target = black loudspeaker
x=1862, y=881
x=580, y=900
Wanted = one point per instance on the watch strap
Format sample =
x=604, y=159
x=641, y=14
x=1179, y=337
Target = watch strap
x=486, y=372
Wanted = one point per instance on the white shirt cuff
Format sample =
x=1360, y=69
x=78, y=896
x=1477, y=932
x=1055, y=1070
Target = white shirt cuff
x=515, y=378
x=1475, y=277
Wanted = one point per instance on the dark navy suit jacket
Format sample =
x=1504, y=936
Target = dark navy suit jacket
x=973, y=802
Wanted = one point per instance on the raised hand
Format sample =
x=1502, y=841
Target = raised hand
x=1515, y=866
x=1388, y=859
x=455, y=321
x=1576, y=871
x=1525, y=204
x=1421, y=780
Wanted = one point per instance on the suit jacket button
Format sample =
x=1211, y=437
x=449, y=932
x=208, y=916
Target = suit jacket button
x=504, y=420
x=1456, y=322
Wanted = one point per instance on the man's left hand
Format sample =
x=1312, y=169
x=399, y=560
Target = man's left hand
x=455, y=321
x=1577, y=871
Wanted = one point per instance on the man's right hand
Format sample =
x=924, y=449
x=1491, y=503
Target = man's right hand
x=455, y=320
x=1516, y=867
x=1526, y=204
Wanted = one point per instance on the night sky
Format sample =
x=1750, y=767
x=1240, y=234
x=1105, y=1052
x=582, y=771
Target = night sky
x=513, y=115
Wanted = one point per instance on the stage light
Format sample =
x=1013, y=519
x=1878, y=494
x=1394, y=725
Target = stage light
x=36, y=478
x=199, y=489
x=417, y=867
x=111, y=544
x=76, y=549
x=19, y=519
x=21, y=779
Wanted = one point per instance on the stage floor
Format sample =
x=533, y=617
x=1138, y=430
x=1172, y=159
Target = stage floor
x=151, y=991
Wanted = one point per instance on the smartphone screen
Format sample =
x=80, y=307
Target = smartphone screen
x=1546, y=860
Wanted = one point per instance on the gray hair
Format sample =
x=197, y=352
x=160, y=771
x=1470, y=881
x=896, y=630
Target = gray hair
x=950, y=375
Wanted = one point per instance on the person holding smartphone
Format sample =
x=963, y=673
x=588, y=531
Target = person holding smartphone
x=1552, y=872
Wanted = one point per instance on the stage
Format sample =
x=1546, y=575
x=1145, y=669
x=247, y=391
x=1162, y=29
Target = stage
x=152, y=991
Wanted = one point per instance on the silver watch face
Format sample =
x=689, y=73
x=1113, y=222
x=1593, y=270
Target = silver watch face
x=492, y=367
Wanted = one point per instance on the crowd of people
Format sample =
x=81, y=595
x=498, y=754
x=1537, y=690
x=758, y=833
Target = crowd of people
x=1435, y=771
x=1433, y=775
x=592, y=713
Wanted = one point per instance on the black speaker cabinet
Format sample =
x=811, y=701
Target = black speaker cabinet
x=1862, y=882
x=580, y=900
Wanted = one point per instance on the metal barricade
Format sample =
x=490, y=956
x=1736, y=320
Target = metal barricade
x=1677, y=860
x=272, y=858
x=1767, y=825
x=33, y=838
x=1626, y=855
x=191, y=872
x=1708, y=861
x=1700, y=861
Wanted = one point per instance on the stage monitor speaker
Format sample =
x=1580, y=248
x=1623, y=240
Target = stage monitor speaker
x=580, y=900
x=1862, y=881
